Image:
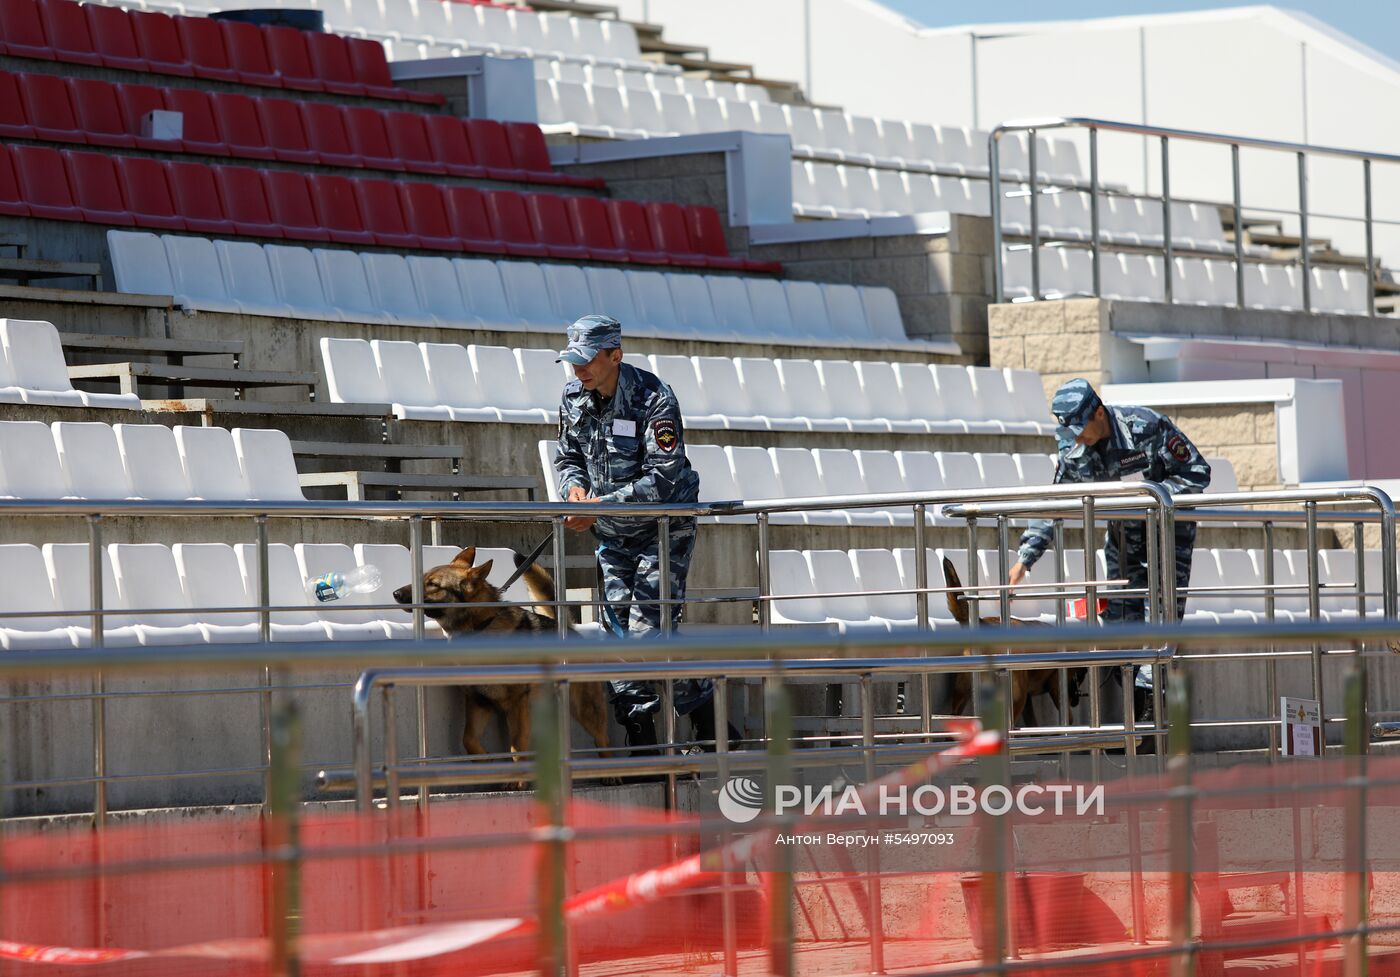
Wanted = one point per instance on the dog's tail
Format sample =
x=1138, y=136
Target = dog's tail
x=957, y=603
x=540, y=583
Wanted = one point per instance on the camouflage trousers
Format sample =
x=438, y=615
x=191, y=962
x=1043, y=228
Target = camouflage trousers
x=631, y=572
x=1125, y=553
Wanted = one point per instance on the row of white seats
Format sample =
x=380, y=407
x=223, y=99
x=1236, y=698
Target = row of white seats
x=33, y=370
x=592, y=74
x=91, y=460
x=188, y=577
x=477, y=293
x=608, y=112
x=1066, y=271
x=753, y=474
x=802, y=574
x=445, y=381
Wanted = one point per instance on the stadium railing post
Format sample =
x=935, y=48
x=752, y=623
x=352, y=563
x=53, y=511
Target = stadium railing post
x=998, y=936
x=781, y=962
x=872, y=864
x=283, y=840
x=1179, y=814
x=1270, y=664
x=1356, y=899
x=550, y=797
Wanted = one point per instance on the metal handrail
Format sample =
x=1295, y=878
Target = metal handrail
x=1165, y=134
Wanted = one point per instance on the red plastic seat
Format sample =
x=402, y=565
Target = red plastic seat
x=282, y=128
x=491, y=149
x=592, y=227
x=237, y=118
x=13, y=122
x=383, y=214
x=425, y=215
x=633, y=233
x=471, y=224
x=528, y=149
x=11, y=196
x=99, y=116
x=197, y=198
x=49, y=108
x=371, y=69
x=408, y=140
x=337, y=210
x=448, y=138
x=707, y=238
x=286, y=52
x=549, y=219
x=247, y=54
x=158, y=43
x=147, y=191
x=96, y=188
x=113, y=37
x=201, y=133
x=245, y=201
x=330, y=60
x=22, y=30
x=510, y=224
x=66, y=28
x=43, y=183
x=289, y=199
x=136, y=102
x=668, y=233
x=370, y=139
x=324, y=125
x=203, y=43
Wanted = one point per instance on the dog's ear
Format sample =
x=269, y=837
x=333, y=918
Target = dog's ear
x=465, y=558
x=481, y=571
x=957, y=603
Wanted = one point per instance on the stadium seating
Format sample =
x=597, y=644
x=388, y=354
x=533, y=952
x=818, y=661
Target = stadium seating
x=33, y=371
x=100, y=113
x=714, y=392
x=154, y=42
x=91, y=460
x=801, y=573
x=187, y=576
x=669, y=83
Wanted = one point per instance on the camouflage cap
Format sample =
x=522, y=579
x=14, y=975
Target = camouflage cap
x=1074, y=404
x=589, y=335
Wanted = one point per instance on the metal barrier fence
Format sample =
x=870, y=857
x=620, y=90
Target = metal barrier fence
x=1302, y=151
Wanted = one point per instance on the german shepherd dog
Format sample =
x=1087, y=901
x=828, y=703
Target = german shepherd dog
x=1025, y=684
x=462, y=585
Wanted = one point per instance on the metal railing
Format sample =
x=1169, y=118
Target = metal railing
x=1301, y=151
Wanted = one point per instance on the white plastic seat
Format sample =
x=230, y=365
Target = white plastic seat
x=297, y=279
x=404, y=374
x=211, y=577
x=920, y=392
x=25, y=588
x=194, y=270
x=34, y=354
x=766, y=394
x=920, y=471
x=841, y=475
x=995, y=402
x=716, y=479
x=151, y=460
x=249, y=278
x=679, y=373
x=268, y=464
x=998, y=470
x=148, y=580
x=610, y=289
x=346, y=285
x=845, y=311
x=719, y=378
x=771, y=313
x=392, y=290
x=1222, y=476
x=808, y=307
x=69, y=573
x=845, y=398
x=651, y=295
x=485, y=293
x=802, y=383
x=690, y=296
x=347, y=617
x=791, y=576
x=755, y=475
x=544, y=378
x=882, y=475
x=878, y=570
x=832, y=572
x=139, y=263
x=548, y=449
x=800, y=478
x=880, y=388
x=568, y=291
x=1035, y=469
x=454, y=383
x=1238, y=569
x=644, y=112
x=960, y=401
x=1028, y=393
x=286, y=589
x=938, y=612
x=91, y=460
x=729, y=297
x=498, y=377
x=960, y=470
x=439, y=292
x=677, y=113
x=29, y=464
x=210, y=460
x=805, y=128
x=395, y=566
x=352, y=375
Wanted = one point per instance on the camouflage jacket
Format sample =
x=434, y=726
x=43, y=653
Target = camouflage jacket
x=627, y=449
x=1141, y=444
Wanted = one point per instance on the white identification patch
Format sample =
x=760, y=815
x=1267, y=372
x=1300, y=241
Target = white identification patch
x=624, y=428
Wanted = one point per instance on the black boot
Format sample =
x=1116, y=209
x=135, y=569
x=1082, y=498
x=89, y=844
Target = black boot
x=702, y=725
x=640, y=730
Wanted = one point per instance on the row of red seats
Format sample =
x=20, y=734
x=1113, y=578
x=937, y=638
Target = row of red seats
x=142, y=191
x=99, y=113
x=138, y=40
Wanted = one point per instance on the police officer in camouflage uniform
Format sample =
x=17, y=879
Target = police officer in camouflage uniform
x=621, y=440
x=1098, y=443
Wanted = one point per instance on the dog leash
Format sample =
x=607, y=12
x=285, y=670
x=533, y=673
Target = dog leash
x=526, y=563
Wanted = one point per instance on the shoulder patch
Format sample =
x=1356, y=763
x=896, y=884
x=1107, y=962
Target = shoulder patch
x=663, y=429
x=1178, y=448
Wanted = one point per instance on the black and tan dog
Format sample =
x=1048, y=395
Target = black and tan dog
x=1025, y=684
x=458, y=587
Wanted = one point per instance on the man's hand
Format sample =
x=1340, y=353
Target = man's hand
x=579, y=524
x=1018, y=573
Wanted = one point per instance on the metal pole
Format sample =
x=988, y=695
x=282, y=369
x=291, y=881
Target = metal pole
x=1303, y=230
x=1094, y=250
x=921, y=612
x=1167, y=255
x=1179, y=819
x=867, y=740
x=663, y=570
x=561, y=588
x=1270, y=663
x=1388, y=595
x=391, y=751
x=1315, y=609
x=974, y=606
x=283, y=841
x=726, y=892
x=781, y=962
x=99, y=690
x=420, y=693
x=1239, y=226
x=550, y=798
x=1356, y=898
x=1035, y=222
x=1370, y=247
x=1057, y=529
x=994, y=164
x=265, y=634
x=765, y=576
x=992, y=895
x=1091, y=569
x=1003, y=570
x=1154, y=580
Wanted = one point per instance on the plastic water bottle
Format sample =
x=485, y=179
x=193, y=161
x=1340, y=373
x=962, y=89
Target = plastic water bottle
x=337, y=586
